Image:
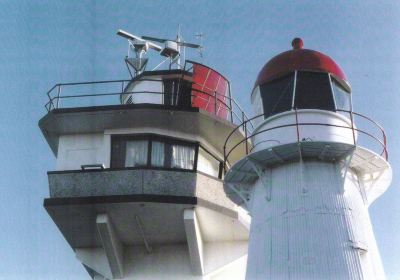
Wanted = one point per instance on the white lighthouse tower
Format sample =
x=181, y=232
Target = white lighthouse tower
x=137, y=191
x=314, y=168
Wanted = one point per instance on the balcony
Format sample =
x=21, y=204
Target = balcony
x=189, y=187
x=155, y=100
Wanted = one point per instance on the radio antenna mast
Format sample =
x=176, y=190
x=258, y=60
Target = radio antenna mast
x=172, y=48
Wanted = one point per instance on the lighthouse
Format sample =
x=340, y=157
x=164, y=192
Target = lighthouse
x=137, y=190
x=312, y=171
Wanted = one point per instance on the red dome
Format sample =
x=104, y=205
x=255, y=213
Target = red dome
x=300, y=59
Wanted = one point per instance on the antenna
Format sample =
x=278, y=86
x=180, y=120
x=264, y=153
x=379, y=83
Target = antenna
x=172, y=48
x=200, y=35
x=140, y=46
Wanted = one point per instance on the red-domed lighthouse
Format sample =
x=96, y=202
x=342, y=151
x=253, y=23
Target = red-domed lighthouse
x=310, y=174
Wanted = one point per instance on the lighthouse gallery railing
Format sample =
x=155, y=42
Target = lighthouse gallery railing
x=230, y=146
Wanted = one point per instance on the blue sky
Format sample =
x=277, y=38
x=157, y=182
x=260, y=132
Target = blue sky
x=46, y=42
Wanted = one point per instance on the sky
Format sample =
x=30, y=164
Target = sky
x=47, y=42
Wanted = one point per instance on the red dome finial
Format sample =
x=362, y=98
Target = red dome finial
x=297, y=43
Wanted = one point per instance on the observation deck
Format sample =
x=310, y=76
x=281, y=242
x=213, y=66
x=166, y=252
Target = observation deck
x=310, y=134
x=195, y=100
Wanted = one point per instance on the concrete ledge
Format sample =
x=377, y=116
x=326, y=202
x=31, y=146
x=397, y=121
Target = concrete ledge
x=140, y=183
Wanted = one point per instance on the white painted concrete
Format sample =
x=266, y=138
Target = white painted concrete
x=170, y=262
x=315, y=226
x=111, y=244
x=145, y=91
x=195, y=241
x=96, y=259
x=285, y=135
x=79, y=149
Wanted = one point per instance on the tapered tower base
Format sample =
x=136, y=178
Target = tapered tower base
x=311, y=222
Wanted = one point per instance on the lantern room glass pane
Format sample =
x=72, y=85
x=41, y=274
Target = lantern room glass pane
x=342, y=97
x=313, y=91
x=277, y=95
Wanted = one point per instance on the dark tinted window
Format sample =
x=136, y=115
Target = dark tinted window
x=177, y=92
x=313, y=91
x=342, y=97
x=277, y=95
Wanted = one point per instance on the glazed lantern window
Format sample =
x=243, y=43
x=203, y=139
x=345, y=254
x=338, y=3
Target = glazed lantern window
x=303, y=90
x=277, y=95
x=313, y=91
x=342, y=97
x=300, y=79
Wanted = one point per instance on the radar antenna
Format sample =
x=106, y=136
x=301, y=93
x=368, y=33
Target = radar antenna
x=140, y=46
x=172, y=48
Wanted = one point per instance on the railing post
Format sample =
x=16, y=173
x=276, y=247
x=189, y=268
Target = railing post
x=225, y=159
x=58, y=96
x=384, y=144
x=245, y=133
x=352, y=127
x=297, y=125
x=230, y=101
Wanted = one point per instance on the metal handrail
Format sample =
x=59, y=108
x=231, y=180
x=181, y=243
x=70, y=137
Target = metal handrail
x=297, y=124
x=222, y=102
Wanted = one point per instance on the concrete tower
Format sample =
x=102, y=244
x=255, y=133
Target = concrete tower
x=314, y=168
x=137, y=191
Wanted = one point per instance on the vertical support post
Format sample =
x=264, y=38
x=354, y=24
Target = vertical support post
x=230, y=101
x=58, y=96
x=352, y=127
x=225, y=159
x=297, y=125
x=384, y=144
x=122, y=86
x=245, y=133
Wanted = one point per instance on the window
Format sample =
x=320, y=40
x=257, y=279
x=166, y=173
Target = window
x=152, y=151
x=342, y=97
x=208, y=164
x=136, y=153
x=182, y=157
x=277, y=95
x=313, y=91
x=177, y=92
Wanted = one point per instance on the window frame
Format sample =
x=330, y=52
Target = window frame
x=334, y=80
x=150, y=137
x=221, y=164
x=327, y=74
x=293, y=76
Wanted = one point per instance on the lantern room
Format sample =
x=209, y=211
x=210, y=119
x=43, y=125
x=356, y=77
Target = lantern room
x=301, y=86
x=301, y=79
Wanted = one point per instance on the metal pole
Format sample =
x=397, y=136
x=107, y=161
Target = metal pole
x=230, y=101
x=352, y=127
x=225, y=159
x=58, y=96
x=297, y=125
x=245, y=133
